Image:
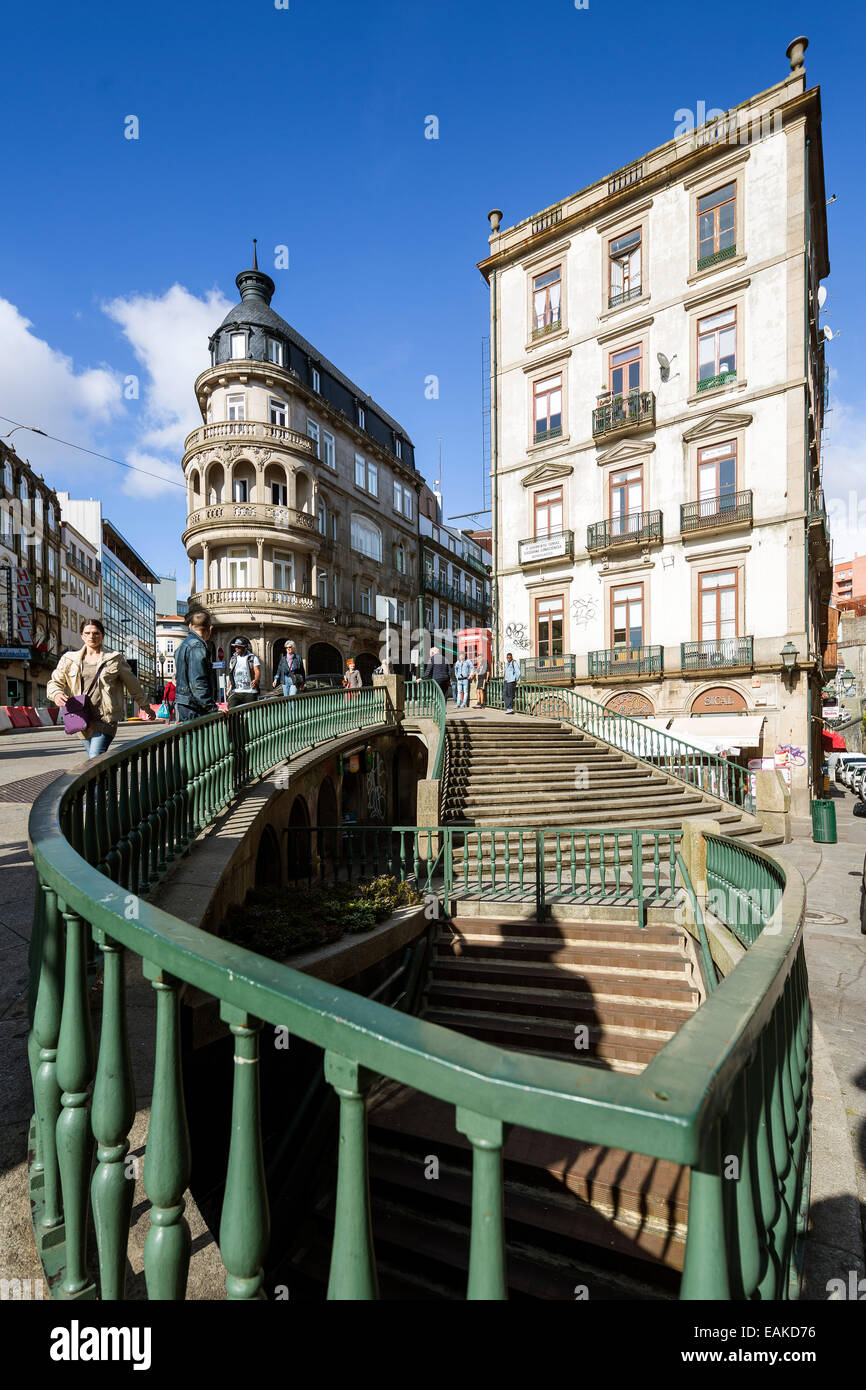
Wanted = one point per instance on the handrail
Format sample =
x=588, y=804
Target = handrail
x=424, y=699
x=711, y=773
x=746, y=1046
x=709, y=969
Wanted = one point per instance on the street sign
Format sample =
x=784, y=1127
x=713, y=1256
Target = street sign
x=386, y=609
x=14, y=653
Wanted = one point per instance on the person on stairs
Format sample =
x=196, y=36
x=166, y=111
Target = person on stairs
x=512, y=676
x=482, y=676
x=463, y=670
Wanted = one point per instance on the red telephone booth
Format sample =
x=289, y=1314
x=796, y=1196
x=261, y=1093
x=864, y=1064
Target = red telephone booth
x=475, y=642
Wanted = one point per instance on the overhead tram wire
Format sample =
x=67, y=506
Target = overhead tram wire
x=93, y=452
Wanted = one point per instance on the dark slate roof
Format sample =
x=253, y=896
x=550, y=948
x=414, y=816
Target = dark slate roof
x=255, y=311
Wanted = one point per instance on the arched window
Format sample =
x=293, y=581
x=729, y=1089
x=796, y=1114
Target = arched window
x=7, y=476
x=366, y=538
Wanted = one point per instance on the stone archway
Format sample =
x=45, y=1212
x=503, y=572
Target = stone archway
x=327, y=817
x=631, y=702
x=367, y=664
x=404, y=787
x=720, y=699
x=268, y=869
x=298, y=847
x=324, y=659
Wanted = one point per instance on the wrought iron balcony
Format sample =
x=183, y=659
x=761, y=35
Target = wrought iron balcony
x=730, y=509
x=615, y=300
x=716, y=257
x=547, y=668
x=537, y=548
x=542, y=436
x=635, y=528
x=626, y=661
x=711, y=655
x=709, y=383
x=817, y=509
x=546, y=328
x=634, y=410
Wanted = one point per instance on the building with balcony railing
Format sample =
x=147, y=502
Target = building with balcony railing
x=30, y=565
x=302, y=495
x=455, y=576
x=658, y=526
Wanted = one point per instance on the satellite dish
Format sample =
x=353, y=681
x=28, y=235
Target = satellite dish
x=663, y=362
x=829, y=335
x=822, y=296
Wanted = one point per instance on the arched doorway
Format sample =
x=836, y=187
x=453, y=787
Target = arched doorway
x=298, y=856
x=720, y=699
x=324, y=660
x=632, y=703
x=404, y=787
x=268, y=860
x=326, y=819
x=367, y=664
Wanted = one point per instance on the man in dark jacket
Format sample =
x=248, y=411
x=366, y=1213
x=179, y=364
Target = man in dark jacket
x=439, y=671
x=193, y=671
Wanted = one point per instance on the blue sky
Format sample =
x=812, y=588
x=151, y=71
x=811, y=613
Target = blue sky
x=305, y=127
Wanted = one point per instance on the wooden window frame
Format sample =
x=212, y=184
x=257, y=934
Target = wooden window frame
x=611, y=258
x=631, y=584
x=716, y=216
x=554, y=376
x=714, y=313
x=618, y=472
x=734, y=452
x=615, y=352
x=547, y=492
x=549, y=323
x=707, y=574
x=549, y=598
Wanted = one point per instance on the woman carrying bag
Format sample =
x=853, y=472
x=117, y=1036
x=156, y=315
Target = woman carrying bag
x=88, y=686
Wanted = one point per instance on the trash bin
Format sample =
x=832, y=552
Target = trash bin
x=824, y=822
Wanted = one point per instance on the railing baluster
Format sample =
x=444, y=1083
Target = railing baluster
x=74, y=1074
x=46, y=1033
x=487, y=1275
x=111, y=1189
x=705, y=1271
x=353, y=1263
x=245, y=1223
x=167, y=1157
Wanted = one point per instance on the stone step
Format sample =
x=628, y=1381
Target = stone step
x=490, y=970
x=566, y=1006
x=623, y=933
x=654, y=964
x=506, y=1030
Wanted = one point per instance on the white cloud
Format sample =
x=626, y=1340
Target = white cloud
x=168, y=334
x=42, y=387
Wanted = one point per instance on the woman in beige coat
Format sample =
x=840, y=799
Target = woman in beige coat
x=74, y=675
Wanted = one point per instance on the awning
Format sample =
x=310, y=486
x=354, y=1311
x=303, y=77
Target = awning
x=718, y=733
x=833, y=741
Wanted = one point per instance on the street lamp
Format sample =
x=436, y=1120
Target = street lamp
x=789, y=654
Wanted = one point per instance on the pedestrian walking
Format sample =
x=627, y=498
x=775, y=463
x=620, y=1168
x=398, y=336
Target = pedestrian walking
x=88, y=685
x=244, y=674
x=438, y=670
x=195, y=684
x=482, y=676
x=290, y=672
x=463, y=670
x=512, y=676
x=352, y=679
x=169, y=696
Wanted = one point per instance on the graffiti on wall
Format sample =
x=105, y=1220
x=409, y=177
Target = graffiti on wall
x=584, y=610
x=516, y=634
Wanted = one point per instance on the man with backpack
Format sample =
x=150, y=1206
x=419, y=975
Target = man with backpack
x=244, y=674
x=290, y=672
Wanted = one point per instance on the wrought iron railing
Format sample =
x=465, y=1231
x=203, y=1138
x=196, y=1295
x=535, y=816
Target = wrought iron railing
x=716, y=257
x=717, y=652
x=424, y=699
x=626, y=661
x=634, y=528
x=542, y=330
x=541, y=436
x=817, y=508
x=709, y=383
x=624, y=412
x=729, y=509
x=623, y=297
x=709, y=771
x=548, y=668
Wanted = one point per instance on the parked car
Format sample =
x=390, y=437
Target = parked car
x=850, y=767
x=326, y=681
x=837, y=768
x=858, y=782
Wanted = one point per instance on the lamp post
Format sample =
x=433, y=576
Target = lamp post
x=789, y=654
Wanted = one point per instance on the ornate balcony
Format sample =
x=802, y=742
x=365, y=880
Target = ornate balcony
x=254, y=431
x=626, y=661
x=635, y=528
x=723, y=652
x=245, y=598
x=623, y=297
x=709, y=383
x=560, y=544
x=547, y=668
x=254, y=514
x=716, y=258
x=546, y=328
x=731, y=509
x=617, y=414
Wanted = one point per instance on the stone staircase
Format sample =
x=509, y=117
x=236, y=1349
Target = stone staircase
x=534, y=772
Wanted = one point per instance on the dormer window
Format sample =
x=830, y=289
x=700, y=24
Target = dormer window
x=238, y=345
x=275, y=351
x=362, y=419
x=317, y=380
x=398, y=447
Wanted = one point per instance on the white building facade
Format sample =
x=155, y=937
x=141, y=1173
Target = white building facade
x=660, y=538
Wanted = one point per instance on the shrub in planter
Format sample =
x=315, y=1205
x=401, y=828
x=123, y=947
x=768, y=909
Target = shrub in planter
x=277, y=922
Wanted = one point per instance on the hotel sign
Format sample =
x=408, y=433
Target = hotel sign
x=547, y=548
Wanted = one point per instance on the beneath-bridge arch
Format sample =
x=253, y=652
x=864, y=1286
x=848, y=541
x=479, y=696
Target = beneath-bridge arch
x=268, y=868
x=298, y=856
x=324, y=660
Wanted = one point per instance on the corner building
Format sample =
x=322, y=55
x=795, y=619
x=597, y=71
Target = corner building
x=660, y=535
x=302, y=496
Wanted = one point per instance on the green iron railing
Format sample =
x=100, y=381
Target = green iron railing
x=551, y=864
x=423, y=699
x=733, y=1081
x=709, y=771
x=742, y=891
x=716, y=257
